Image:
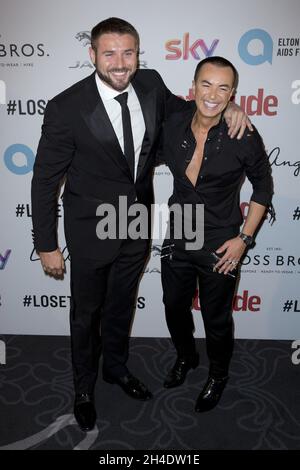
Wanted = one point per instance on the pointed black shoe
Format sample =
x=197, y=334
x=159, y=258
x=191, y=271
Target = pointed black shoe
x=177, y=374
x=84, y=411
x=211, y=394
x=131, y=386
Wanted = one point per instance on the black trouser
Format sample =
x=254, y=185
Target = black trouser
x=105, y=291
x=180, y=273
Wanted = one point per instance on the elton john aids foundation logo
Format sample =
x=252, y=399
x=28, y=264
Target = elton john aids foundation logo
x=19, y=159
x=256, y=47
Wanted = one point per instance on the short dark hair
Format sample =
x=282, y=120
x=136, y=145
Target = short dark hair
x=113, y=25
x=219, y=62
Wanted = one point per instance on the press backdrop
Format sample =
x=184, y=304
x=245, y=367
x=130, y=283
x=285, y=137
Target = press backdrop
x=44, y=49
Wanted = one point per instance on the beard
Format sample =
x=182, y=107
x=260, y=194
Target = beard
x=118, y=84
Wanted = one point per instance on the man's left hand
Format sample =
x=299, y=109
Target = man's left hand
x=236, y=120
x=232, y=250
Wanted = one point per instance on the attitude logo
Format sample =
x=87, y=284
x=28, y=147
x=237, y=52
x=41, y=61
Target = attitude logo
x=241, y=303
x=260, y=103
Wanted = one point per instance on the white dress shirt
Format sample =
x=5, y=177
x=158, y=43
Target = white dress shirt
x=113, y=109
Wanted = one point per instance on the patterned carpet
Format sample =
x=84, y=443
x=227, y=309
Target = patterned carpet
x=260, y=408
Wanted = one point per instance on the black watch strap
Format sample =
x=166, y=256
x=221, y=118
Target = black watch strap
x=247, y=239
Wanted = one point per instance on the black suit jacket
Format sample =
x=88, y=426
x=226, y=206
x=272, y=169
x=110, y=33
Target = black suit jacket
x=78, y=141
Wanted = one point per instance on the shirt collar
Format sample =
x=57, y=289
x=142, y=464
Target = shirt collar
x=214, y=131
x=108, y=93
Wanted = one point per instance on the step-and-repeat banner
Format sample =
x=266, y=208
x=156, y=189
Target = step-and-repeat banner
x=44, y=49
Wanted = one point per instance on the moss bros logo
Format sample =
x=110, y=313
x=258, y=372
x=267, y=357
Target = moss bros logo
x=22, y=50
x=256, y=47
x=271, y=261
x=183, y=49
x=21, y=54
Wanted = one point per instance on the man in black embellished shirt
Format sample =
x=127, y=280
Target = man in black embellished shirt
x=208, y=169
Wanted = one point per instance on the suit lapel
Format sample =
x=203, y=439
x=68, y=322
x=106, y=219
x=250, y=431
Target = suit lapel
x=148, y=104
x=97, y=119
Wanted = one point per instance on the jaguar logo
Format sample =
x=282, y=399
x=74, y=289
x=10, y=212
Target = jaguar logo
x=84, y=37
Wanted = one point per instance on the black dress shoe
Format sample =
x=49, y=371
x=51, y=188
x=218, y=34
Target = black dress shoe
x=131, y=385
x=177, y=374
x=84, y=411
x=211, y=394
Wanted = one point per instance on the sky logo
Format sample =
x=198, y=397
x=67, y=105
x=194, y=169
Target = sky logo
x=4, y=259
x=19, y=159
x=182, y=49
x=261, y=47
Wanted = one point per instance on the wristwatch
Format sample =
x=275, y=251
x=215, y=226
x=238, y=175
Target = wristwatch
x=247, y=239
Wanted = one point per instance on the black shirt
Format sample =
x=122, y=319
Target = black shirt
x=225, y=163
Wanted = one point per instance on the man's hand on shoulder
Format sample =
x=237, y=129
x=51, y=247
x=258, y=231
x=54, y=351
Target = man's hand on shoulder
x=237, y=120
x=53, y=262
